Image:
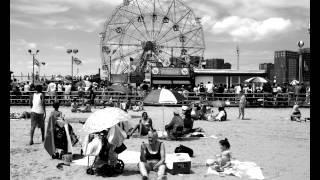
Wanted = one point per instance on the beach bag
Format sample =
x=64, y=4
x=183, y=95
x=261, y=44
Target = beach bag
x=184, y=149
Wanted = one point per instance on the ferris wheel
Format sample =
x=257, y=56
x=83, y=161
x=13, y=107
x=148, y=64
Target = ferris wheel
x=144, y=33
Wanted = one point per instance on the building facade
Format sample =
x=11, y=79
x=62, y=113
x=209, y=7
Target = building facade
x=214, y=64
x=227, y=77
x=226, y=66
x=286, y=66
x=269, y=68
x=306, y=59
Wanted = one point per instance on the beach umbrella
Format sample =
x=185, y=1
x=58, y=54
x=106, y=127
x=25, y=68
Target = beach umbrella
x=163, y=96
x=256, y=80
x=105, y=118
x=294, y=82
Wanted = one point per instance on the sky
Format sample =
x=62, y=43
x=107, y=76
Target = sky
x=259, y=27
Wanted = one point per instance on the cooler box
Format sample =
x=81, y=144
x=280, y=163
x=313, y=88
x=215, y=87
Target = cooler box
x=180, y=163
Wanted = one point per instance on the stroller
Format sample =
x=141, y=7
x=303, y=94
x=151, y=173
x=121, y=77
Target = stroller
x=106, y=160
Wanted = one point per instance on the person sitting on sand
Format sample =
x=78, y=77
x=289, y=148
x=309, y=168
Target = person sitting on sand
x=87, y=108
x=175, y=127
x=138, y=106
x=74, y=106
x=59, y=134
x=187, y=120
x=152, y=156
x=222, y=160
x=296, y=114
x=222, y=115
x=145, y=125
x=24, y=115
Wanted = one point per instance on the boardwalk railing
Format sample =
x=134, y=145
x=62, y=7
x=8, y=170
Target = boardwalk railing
x=253, y=99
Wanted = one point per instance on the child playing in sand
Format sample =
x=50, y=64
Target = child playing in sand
x=296, y=114
x=223, y=160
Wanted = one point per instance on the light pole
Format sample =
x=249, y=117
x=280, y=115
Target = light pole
x=70, y=51
x=300, y=45
x=33, y=54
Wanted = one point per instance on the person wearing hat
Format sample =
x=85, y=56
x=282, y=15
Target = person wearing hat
x=187, y=120
x=175, y=127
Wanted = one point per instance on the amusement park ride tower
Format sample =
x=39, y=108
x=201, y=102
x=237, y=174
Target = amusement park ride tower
x=142, y=34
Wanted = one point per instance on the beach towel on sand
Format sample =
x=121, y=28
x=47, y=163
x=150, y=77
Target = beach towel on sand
x=239, y=169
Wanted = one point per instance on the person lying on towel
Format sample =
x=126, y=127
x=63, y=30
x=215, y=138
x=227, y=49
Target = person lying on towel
x=59, y=135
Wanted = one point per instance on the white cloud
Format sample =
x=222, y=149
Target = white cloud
x=40, y=8
x=250, y=29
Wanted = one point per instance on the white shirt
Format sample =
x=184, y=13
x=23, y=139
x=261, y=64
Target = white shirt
x=27, y=87
x=220, y=115
x=59, y=87
x=279, y=89
x=37, y=104
x=52, y=87
x=237, y=89
x=209, y=88
x=67, y=89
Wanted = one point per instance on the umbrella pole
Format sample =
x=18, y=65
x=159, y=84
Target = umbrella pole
x=163, y=117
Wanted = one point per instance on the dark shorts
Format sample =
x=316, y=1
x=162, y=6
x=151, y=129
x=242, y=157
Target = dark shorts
x=37, y=120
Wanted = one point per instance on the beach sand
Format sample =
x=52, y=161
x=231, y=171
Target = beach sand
x=267, y=137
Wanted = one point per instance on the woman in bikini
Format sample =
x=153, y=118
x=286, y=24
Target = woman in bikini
x=145, y=124
x=152, y=156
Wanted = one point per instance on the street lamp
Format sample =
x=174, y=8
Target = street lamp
x=70, y=51
x=300, y=45
x=33, y=55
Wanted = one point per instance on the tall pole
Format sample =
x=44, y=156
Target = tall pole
x=110, y=70
x=300, y=45
x=71, y=66
x=33, y=69
x=238, y=57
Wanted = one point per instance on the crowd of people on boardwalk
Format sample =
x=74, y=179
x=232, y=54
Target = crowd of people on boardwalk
x=60, y=137
x=205, y=91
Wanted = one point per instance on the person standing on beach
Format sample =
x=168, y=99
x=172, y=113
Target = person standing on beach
x=242, y=104
x=38, y=112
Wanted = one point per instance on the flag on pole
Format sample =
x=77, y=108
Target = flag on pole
x=77, y=61
x=36, y=62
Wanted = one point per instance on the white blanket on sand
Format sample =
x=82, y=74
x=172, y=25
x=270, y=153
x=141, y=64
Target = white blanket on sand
x=239, y=169
x=128, y=157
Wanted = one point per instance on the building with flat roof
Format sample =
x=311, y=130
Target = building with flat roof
x=286, y=66
x=306, y=60
x=226, y=66
x=228, y=77
x=214, y=63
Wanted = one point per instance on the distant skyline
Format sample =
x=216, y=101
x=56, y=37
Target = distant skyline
x=259, y=27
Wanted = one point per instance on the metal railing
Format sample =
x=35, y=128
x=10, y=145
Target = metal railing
x=253, y=99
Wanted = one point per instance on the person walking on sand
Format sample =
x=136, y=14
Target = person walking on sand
x=38, y=112
x=242, y=104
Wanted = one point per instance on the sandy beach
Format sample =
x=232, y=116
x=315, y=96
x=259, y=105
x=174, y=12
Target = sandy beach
x=267, y=137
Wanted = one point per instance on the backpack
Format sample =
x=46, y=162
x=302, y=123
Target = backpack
x=184, y=149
